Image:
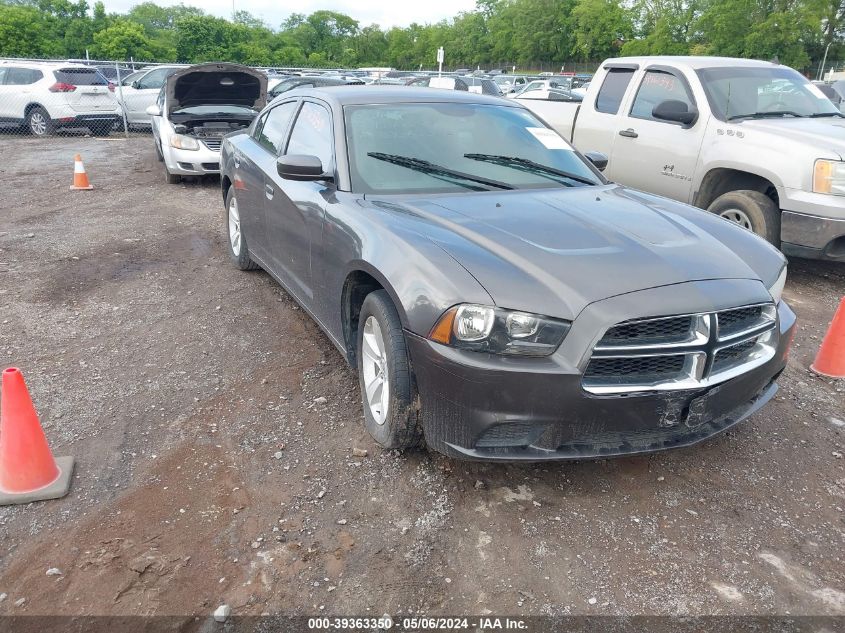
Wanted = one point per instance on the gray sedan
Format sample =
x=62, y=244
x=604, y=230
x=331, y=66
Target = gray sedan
x=499, y=298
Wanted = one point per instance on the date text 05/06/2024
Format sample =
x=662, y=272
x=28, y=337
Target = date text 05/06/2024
x=386, y=623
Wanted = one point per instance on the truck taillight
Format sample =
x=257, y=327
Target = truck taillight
x=62, y=87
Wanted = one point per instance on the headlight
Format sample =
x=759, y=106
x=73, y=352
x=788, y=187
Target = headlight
x=829, y=177
x=180, y=141
x=486, y=329
x=776, y=289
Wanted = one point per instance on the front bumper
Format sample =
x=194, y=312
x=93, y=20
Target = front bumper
x=193, y=162
x=813, y=225
x=493, y=408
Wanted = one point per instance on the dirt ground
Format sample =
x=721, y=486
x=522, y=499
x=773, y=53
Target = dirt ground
x=213, y=427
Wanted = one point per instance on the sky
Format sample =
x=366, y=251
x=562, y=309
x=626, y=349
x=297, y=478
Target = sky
x=385, y=13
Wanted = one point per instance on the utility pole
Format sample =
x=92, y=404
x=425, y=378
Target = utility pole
x=824, y=61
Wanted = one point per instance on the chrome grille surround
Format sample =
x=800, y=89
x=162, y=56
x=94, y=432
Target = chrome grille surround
x=212, y=143
x=716, y=347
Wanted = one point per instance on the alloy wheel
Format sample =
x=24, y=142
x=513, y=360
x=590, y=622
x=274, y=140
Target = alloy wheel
x=37, y=123
x=374, y=367
x=234, y=227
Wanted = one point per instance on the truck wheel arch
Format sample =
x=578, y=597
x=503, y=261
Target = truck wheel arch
x=721, y=180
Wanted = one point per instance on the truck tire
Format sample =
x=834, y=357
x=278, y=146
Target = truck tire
x=388, y=390
x=751, y=210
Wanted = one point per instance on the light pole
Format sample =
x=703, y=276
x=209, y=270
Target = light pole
x=824, y=61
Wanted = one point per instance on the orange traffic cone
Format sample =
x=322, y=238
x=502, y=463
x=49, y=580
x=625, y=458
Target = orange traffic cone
x=830, y=360
x=80, y=178
x=28, y=471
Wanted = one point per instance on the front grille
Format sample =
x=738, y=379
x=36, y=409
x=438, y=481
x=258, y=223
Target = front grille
x=652, y=331
x=730, y=355
x=636, y=368
x=687, y=351
x=732, y=322
x=213, y=143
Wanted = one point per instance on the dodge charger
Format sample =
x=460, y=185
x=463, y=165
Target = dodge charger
x=498, y=297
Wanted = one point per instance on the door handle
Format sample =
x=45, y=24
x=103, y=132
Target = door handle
x=629, y=133
x=237, y=163
x=269, y=191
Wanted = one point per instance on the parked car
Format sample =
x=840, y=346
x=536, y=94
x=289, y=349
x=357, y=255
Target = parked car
x=141, y=90
x=445, y=82
x=551, y=94
x=480, y=85
x=836, y=97
x=753, y=142
x=196, y=108
x=110, y=72
x=497, y=295
x=563, y=83
x=312, y=81
x=44, y=97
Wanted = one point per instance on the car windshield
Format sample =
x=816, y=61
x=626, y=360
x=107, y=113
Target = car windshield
x=761, y=92
x=455, y=147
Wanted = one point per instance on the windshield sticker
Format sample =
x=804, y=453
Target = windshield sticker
x=549, y=138
x=818, y=94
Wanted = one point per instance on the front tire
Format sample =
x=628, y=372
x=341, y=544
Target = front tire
x=384, y=373
x=237, y=246
x=752, y=210
x=39, y=123
x=171, y=179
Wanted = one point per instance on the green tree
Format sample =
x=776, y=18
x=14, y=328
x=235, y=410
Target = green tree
x=123, y=40
x=601, y=27
x=25, y=31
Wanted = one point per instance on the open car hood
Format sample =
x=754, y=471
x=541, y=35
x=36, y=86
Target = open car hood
x=216, y=84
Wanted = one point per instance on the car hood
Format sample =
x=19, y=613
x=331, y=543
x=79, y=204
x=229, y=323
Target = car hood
x=554, y=252
x=821, y=133
x=216, y=84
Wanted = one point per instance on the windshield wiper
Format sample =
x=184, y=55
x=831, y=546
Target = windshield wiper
x=529, y=166
x=818, y=115
x=424, y=166
x=760, y=115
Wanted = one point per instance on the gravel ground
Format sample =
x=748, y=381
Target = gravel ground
x=221, y=455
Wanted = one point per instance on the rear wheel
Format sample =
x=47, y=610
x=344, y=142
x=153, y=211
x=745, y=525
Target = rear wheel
x=751, y=210
x=39, y=123
x=384, y=373
x=238, y=251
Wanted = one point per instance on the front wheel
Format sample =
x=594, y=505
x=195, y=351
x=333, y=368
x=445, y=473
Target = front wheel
x=171, y=179
x=752, y=210
x=384, y=373
x=238, y=251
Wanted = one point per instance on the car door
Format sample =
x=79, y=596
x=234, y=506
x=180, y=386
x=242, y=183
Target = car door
x=657, y=156
x=252, y=160
x=295, y=209
x=596, y=125
x=138, y=97
x=15, y=89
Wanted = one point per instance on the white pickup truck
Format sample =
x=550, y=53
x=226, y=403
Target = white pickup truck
x=752, y=141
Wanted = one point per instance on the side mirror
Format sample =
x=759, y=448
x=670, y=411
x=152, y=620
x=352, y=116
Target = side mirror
x=676, y=112
x=300, y=167
x=153, y=110
x=135, y=84
x=598, y=160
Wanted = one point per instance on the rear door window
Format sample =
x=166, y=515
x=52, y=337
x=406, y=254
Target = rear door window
x=22, y=76
x=270, y=131
x=613, y=89
x=80, y=77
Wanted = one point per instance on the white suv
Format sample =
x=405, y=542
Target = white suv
x=44, y=97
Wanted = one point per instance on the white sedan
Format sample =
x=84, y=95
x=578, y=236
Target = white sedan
x=196, y=108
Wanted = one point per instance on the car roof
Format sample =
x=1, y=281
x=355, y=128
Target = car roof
x=692, y=62
x=380, y=94
x=47, y=65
